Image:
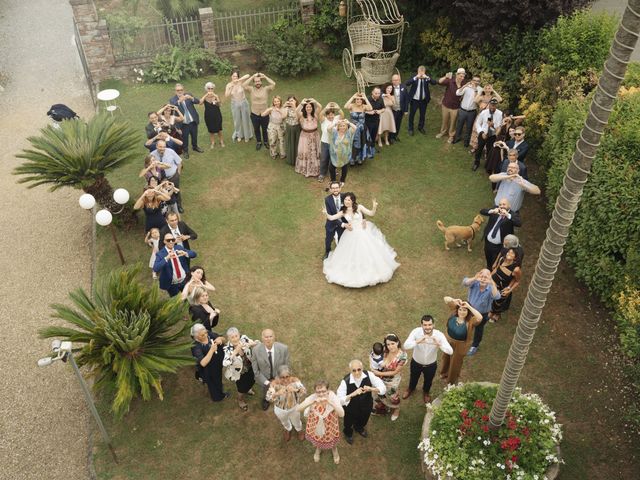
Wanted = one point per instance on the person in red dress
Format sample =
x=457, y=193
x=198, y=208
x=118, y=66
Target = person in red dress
x=322, y=410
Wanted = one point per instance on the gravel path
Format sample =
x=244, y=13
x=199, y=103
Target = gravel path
x=43, y=419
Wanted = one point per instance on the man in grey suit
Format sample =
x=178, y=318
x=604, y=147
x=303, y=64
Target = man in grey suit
x=267, y=357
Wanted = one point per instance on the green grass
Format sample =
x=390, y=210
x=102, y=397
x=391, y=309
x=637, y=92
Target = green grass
x=261, y=238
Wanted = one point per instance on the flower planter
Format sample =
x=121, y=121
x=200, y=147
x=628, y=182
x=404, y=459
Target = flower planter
x=551, y=473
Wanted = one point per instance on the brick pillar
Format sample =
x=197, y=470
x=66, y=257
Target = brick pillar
x=94, y=35
x=306, y=10
x=208, y=31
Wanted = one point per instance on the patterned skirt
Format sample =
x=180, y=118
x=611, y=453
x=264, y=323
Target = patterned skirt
x=308, y=160
x=331, y=429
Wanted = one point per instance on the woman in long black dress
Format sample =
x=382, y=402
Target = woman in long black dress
x=212, y=114
x=507, y=274
x=202, y=311
x=237, y=363
x=208, y=351
x=151, y=202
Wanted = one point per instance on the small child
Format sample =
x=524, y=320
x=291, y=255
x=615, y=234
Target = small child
x=152, y=238
x=376, y=357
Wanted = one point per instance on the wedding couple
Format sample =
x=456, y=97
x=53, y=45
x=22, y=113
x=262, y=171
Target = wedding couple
x=362, y=256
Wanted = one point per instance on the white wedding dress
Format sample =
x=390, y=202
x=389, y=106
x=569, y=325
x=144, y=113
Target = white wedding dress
x=362, y=257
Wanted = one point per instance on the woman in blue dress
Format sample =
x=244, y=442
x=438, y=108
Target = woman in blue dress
x=358, y=105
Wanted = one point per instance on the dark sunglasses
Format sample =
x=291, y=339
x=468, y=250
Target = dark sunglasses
x=518, y=134
x=356, y=370
x=169, y=239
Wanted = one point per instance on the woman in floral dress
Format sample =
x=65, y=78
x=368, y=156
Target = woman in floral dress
x=291, y=130
x=322, y=410
x=358, y=104
x=308, y=160
x=237, y=363
x=394, y=360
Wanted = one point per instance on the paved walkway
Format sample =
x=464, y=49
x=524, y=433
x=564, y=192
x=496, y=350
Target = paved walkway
x=43, y=419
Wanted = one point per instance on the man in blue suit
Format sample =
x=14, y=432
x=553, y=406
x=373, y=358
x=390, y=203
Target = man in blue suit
x=172, y=264
x=184, y=102
x=332, y=204
x=401, y=106
x=419, y=97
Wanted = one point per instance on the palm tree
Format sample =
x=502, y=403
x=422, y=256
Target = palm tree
x=80, y=154
x=129, y=336
x=566, y=205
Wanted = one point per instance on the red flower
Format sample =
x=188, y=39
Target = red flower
x=526, y=432
x=485, y=418
x=511, y=425
x=485, y=428
x=512, y=443
x=479, y=404
x=464, y=413
x=467, y=422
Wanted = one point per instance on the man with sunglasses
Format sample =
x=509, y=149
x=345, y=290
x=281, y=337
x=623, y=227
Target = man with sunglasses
x=354, y=393
x=519, y=143
x=172, y=264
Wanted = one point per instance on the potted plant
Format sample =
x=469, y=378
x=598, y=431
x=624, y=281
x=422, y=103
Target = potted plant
x=458, y=443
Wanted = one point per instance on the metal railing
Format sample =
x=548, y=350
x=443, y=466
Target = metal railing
x=85, y=66
x=233, y=28
x=145, y=42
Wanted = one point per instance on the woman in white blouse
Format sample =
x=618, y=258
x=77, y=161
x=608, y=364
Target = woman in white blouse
x=237, y=364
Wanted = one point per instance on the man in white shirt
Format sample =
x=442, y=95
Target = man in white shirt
x=164, y=154
x=425, y=342
x=354, y=393
x=467, y=110
x=489, y=121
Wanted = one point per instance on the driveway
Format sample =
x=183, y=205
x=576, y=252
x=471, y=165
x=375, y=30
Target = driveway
x=43, y=418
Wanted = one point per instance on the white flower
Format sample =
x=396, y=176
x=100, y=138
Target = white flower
x=449, y=473
x=138, y=79
x=479, y=438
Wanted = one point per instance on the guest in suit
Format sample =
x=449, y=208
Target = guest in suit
x=355, y=394
x=202, y=311
x=501, y=223
x=332, y=204
x=171, y=263
x=157, y=130
x=401, y=106
x=184, y=102
x=419, y=96
x=520, y=144
x=267, y=357
x=208, y=351
x=451, y=103
x=512, y=157
x=180, y=230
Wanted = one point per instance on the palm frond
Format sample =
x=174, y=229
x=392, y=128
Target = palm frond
x=129, y=336
x=77, y=154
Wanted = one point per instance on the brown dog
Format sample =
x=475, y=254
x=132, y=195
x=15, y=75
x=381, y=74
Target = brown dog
x=456, y=233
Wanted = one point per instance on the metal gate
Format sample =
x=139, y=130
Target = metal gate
x=83, y=60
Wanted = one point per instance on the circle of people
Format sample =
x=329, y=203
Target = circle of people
x=290, y=130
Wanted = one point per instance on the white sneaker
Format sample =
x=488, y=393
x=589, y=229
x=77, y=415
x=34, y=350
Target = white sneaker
x=440, y=135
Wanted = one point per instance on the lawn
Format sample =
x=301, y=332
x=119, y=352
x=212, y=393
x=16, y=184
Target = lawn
x=261, y=238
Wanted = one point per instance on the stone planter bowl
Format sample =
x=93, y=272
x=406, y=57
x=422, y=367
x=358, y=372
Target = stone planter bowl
x=551, y=474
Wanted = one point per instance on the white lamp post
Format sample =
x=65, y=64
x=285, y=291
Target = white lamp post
x=64, y=352
x=104, y=217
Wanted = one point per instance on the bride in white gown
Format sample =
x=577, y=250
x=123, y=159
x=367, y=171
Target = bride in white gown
x=362, y=257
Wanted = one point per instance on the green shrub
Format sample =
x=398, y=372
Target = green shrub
x=286, y=49
x=579, y=41
x=184, y=62
x=328, y=27
x=604, y=241
x=632, y=77
x=128, y=336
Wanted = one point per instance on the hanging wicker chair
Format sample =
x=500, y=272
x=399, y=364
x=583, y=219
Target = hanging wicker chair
x=375, y=37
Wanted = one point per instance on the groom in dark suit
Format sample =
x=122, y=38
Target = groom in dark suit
x=419, y=97
x=332, y=204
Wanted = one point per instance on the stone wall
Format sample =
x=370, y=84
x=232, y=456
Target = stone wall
x=208, y=32
x=94, y=36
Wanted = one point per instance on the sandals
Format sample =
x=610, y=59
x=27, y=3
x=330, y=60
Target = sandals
x=336, y=458
x=316, y=457
x=395, y=415
x=243, y=406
